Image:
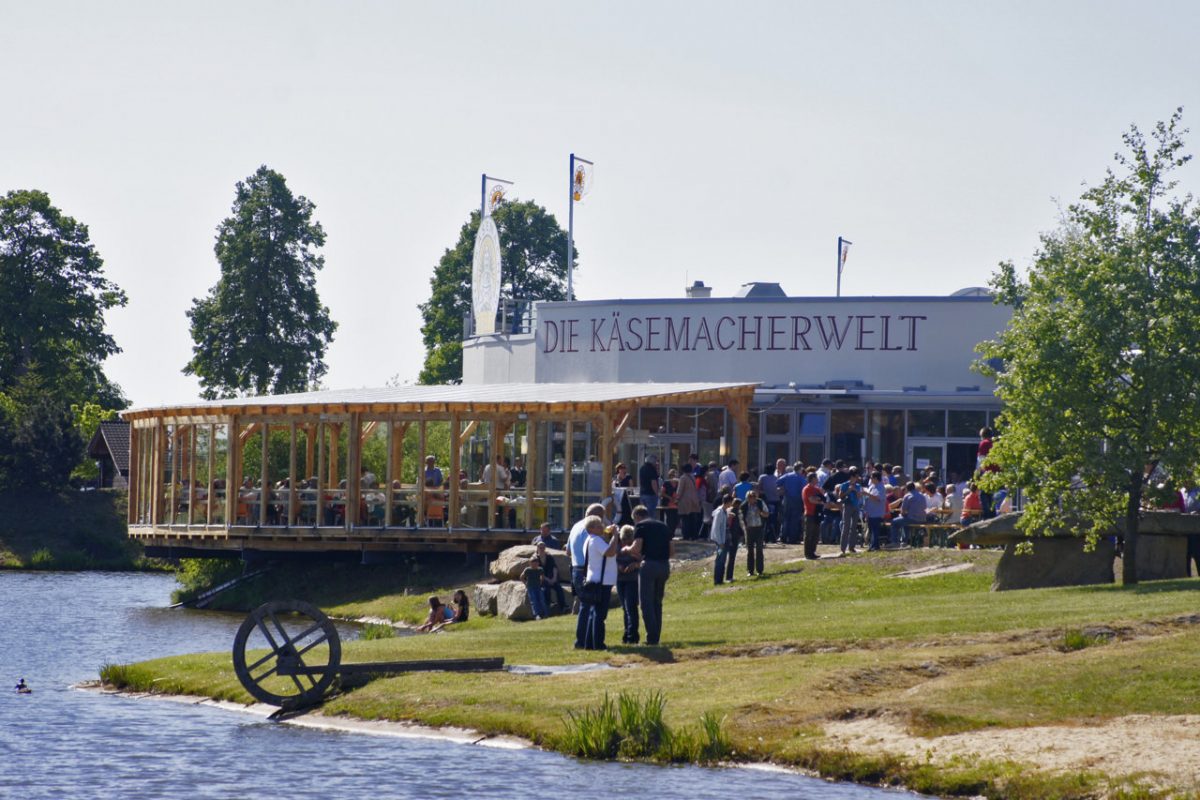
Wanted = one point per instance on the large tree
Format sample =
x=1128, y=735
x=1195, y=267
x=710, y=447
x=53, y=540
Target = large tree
x=262, y=328
x=1099, y=369
x=533, y=252
x=53, y=295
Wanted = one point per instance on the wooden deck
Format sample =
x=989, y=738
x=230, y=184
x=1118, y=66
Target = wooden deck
x=218, y=542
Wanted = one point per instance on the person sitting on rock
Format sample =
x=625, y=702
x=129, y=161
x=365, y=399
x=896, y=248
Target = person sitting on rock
x=547, y=538
x=550, y=579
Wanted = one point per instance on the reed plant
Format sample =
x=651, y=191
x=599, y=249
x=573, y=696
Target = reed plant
x=633, y=727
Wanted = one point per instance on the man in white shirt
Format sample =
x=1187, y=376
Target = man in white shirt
x=575, y=548
x=601, y=576
x=729, y=476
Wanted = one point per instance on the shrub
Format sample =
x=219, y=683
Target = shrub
x=373, y=631
x=633, y=727
x=593, y=733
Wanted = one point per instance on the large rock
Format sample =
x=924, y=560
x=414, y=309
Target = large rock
x=512, y=602
x=511, y=562
x=1055, y=561
x=485, y=598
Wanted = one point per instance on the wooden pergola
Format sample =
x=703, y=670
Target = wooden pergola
x=189, y=486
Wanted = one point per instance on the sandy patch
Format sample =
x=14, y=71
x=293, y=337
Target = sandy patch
x=933, y=569
x=1166, y=746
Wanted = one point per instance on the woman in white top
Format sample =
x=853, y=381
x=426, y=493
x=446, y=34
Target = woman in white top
x=600, y=558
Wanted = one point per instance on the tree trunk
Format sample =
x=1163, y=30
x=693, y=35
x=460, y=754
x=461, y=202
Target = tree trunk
x=1132, y=516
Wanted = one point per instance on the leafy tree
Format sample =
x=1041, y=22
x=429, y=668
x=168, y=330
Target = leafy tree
x=53, y=296
x=87, y=417
x=262, y=328
x=1099, y=364
x=533, y=255
x=39, y=442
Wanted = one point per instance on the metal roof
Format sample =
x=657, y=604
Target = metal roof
x=476, y=394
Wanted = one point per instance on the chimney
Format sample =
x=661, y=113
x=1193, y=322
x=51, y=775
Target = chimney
x=698, y=289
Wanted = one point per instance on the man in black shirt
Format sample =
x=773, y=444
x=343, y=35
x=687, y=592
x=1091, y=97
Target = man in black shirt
x=831, y=521
x=652, y=542
x=648, y=485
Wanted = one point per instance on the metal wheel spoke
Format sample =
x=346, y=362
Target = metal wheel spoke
x=308, y=647
x=299, y=686
x=261, y=661
x=270, y=639
x=287, y=640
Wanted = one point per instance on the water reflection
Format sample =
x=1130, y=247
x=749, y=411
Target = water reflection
x=60, y=627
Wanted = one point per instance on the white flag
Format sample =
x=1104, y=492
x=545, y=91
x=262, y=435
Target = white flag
x=845, y=251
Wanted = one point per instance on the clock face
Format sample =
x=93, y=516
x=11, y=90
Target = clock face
x=485, y=277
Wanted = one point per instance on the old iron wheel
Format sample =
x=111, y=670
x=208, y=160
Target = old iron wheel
x=287, y=654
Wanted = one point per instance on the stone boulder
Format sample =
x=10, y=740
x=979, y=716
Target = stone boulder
x=1055, y=561
x=484, y=599
x=512, y=602
x=509, y=564
x=1161, y=557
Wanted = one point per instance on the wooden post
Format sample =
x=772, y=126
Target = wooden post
x=293, y=495
x=568, y=473
x=160, y=469
x=173, y=456
x=335, y=438
x=422, y=489
x=495, y=481
x=264, y=491
x=455, y=466
x=530, y=472
x=353, y=464
x=606, y=454
x=233, y=469
x=387, y=473
x=135, y=473
x=310, y=434
x=191, y=492
x=739, y=413
x=319, y=517
x=208, y=494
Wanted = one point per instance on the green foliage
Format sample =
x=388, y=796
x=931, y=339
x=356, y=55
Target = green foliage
x=1099, y=363
x=1076, y=639
x=53, y=296
x=88, y=417
x=262, y=328
x=198, y=575
x=533, y=252
x=39, y=441
x=633, y=727
x=593, y=732
x=372, y=631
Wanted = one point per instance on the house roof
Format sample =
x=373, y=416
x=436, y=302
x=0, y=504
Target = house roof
x=112, y=437
x=461, y=397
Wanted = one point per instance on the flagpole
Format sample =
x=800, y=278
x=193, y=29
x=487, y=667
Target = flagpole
x=482, y=196
x=839, y=267
x=570, y=224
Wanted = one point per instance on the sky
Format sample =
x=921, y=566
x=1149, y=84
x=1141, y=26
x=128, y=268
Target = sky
x=733, y=142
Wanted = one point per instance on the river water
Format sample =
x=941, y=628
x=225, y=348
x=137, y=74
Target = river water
x=57, y=629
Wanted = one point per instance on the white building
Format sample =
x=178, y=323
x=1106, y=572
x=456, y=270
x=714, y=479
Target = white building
x=881, y=378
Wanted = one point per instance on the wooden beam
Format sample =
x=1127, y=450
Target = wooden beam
x=531, y=463
x=233, y=480
x=568, y=473
x=264, y=488
x=310, y=435
x=455, y=465
x=495, y=451
x=319, y=517
x=212, y=446
x=606, y=453
x=387, y=475
x=422, y=489
x=293, y=495
x=353, y=469
x=471, y=426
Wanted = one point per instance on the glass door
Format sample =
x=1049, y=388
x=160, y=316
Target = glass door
x=925, y=454
x=812, y=451
x=672, y=451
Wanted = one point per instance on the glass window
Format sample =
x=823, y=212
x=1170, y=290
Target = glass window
x=683, y=420
x=927, y=422
x=812, y=424
x=710, y=427
x=779, y=423
x=847, y=430
x=654, y=420
x=966, y=423
x=885, y=436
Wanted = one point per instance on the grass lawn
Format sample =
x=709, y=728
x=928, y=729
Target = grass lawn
x=807, y=643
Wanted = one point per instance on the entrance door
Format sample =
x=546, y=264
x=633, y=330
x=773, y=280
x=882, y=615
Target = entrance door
x=773, y=451
x=925, y=454
x=672, y=451
x=812, y=451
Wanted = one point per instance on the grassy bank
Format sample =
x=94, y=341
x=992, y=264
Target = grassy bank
x=784, y=659
x=67, y=530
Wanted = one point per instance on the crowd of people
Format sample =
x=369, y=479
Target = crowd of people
x=626, y=542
